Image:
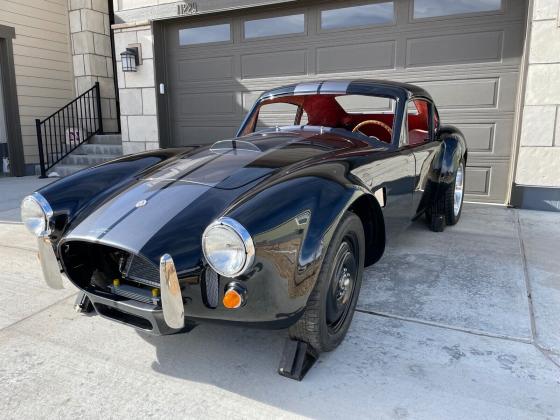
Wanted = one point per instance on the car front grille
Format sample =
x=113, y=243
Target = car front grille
x=142, y=270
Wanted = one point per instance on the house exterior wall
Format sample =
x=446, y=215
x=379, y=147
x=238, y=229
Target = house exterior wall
x=137, y=92
x=43, y=63
x=92, y=56
x=538, y=162
x=537, y=159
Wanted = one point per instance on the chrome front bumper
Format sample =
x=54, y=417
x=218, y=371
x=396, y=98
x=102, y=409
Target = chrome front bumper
x=170, y=318
x=130, y=312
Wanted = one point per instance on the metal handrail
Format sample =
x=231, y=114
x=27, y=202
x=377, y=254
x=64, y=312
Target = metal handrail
x=64, y=131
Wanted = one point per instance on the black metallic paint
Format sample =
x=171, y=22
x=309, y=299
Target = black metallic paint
x=290, y=197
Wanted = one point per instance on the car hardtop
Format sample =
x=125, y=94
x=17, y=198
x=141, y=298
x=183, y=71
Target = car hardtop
x=318, y=99
x=368, y=87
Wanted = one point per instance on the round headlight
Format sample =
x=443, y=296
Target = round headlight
x=228, y=247
x=35, y=213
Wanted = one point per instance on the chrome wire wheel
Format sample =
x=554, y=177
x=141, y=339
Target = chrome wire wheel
x=459, y=189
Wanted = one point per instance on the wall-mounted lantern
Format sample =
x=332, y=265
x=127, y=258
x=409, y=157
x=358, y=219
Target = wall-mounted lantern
x=131, y=58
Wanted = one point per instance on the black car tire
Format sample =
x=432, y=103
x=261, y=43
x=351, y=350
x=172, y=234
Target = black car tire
x=442, y=210
x=318, y=325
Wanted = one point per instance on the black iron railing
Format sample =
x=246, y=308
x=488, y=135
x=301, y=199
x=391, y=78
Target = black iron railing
x=68, y=128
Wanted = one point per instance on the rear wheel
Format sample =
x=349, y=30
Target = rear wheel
x=332, y=302
x=447, y=208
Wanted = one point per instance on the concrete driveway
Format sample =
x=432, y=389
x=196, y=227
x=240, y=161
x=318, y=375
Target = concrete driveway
x=463, y=324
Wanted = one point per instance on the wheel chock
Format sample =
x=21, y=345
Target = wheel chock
x=297, y=358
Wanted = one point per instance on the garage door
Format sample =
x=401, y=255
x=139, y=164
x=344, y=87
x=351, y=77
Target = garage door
x=467, y=54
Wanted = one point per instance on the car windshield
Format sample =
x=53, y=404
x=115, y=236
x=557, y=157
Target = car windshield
x=372, y=116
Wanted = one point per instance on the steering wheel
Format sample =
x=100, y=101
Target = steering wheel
x=372, y=122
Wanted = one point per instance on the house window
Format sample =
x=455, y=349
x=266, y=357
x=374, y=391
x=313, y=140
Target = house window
x=205, y=34
x=365, y=15
x=433, y=8
x=281, y=25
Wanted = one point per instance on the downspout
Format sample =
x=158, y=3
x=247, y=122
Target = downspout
x=115, y=79
x=520, y=101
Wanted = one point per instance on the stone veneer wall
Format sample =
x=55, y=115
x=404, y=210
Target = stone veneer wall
x=538, y=161
x=137, y=91
x=92, y=55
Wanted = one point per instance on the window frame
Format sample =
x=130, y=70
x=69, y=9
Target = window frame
x=432, y=130
x=286, y=13
x=347, y=5
x=204, y=44
x=463, y=15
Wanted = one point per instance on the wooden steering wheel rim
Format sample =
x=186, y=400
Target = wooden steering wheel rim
x=373, y=122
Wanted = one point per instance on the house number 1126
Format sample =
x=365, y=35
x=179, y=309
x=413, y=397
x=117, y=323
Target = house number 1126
x=187, y=8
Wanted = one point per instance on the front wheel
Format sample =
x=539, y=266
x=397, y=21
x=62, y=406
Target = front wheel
x=332, y=302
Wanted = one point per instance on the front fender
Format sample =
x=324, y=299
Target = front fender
x=292, y=223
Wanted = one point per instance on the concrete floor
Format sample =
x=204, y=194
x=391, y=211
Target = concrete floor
x=462, y=324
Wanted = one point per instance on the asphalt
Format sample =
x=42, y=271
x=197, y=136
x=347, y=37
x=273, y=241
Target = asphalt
x=461, y=324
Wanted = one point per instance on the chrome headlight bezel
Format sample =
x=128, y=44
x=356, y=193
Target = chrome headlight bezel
x=244, y=238
x=42, y=205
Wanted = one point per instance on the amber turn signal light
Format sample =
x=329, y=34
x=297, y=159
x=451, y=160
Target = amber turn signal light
x=234, y=297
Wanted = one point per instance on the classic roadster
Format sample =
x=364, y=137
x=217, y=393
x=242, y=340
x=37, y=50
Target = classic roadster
x=272, y=228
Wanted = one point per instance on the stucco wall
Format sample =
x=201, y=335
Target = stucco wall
x=538, y=161
x=43, y=63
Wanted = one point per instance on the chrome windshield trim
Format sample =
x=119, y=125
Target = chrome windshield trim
x=171, y=298
x=49, y=262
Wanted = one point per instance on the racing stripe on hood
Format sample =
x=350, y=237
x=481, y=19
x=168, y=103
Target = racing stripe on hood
x=130, y=219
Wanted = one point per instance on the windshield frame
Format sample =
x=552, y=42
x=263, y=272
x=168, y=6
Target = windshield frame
x=400, y=97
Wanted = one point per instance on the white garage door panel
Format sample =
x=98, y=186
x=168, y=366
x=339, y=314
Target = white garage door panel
x=469, y=64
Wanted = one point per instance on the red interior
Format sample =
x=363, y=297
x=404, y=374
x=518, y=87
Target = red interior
x=324, y=110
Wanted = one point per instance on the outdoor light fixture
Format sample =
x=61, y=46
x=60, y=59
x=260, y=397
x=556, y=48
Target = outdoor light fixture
x=131, y=58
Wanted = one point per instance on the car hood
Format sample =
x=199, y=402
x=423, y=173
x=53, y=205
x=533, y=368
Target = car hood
x=166, y=210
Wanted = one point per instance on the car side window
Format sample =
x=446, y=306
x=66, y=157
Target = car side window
x=279, y=115
x=420, y=123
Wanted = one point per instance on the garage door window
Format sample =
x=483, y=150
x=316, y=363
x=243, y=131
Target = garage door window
x=275, y=26
x=205, y=34
x=434, y=8
x=355, y=16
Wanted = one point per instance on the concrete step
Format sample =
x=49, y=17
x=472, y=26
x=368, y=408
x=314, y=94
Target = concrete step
x=99, y=149
x=106, y=139
x=88, y=160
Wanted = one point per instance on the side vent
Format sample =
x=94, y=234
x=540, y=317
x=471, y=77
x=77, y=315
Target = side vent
x=210, y=289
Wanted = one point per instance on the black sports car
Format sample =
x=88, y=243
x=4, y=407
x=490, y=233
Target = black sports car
x=272, y=228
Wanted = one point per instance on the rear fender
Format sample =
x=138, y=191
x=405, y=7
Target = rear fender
x=453, y=149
